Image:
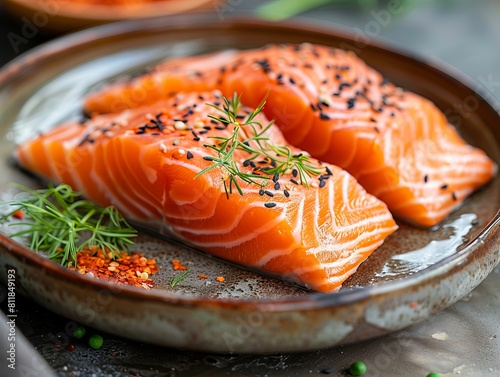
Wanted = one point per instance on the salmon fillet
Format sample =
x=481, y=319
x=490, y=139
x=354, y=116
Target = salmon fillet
x=145, y=162
x=328, y=102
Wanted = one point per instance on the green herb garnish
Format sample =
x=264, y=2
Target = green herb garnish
x=62, y=224
x=178, y=278
x=249, y=136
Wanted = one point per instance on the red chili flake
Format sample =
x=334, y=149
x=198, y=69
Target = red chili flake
x=71, y=348
x=178, y=266
x=133, y=269
x=19, y=214
x=203, y=276
x=414, y=304
x=220, y=278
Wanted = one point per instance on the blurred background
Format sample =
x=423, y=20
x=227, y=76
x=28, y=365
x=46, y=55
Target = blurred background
x=461, y=341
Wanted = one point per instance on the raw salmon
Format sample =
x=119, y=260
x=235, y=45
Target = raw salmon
x=327, y=101
x=146, y=161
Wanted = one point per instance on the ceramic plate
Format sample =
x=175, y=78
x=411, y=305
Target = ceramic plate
x=59, y=16
x=413, y=275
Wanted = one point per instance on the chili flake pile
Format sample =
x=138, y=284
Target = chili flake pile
x=130, y=269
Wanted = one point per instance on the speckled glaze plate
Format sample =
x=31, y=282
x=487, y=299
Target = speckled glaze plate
x=413, y=275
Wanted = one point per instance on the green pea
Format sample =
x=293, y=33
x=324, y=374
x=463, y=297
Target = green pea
x=358, y=368
x=79, y=332
x=433, y=374
x=96, y=341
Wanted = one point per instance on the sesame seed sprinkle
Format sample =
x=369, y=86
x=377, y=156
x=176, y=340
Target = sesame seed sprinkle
x=270, y=205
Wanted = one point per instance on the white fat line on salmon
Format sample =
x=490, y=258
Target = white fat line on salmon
x=128, y=207
x=231, y=226
x=272, y=254
x=256, y=232
x=48, y=147
x=352, y=259
x=445, y=196
x=134, y=194
x=346, y=180
x=335, y=247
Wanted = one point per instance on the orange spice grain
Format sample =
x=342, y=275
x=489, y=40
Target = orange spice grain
x=220, y=278
x=19, y=214
x=203, y=276
x=133, y=269
x=178, y=266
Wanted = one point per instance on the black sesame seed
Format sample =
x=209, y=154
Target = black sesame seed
x=196, y=138
x=208, y=158
x=338, y=76
x=295, y=172
x=277, y=186
x=372, y=120
x=280, y=76
x=276, y=176
x=202, y=132
x=269, y=193
x=252, y=164
x=376, y=129
x=208, y=128
x=393, y=115
x=351, y=102
x=453, y=196
x=287, y=194
x=323, y=116
x=328, y=171
x=313, y=107
x=344, y=85
x=155, y=134
x=322, y=183
x=189, y=155
x=261, y=192
x=292, y=81
x=246, y=163
x=294, y=181
x=325, y=81
x=324, y=176
x=444, y=187
x=426, y=178
x=220, y=128
x=325, y=104
x=270, y=205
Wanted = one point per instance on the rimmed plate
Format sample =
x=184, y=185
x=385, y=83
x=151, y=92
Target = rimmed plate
x=413, y=275
x=58, y=16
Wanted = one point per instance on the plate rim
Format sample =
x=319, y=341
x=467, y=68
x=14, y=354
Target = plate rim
x=313, y=300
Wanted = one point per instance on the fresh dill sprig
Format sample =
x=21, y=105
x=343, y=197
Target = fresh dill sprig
x=62, y=224
x=249, y=136
x=178, y=278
